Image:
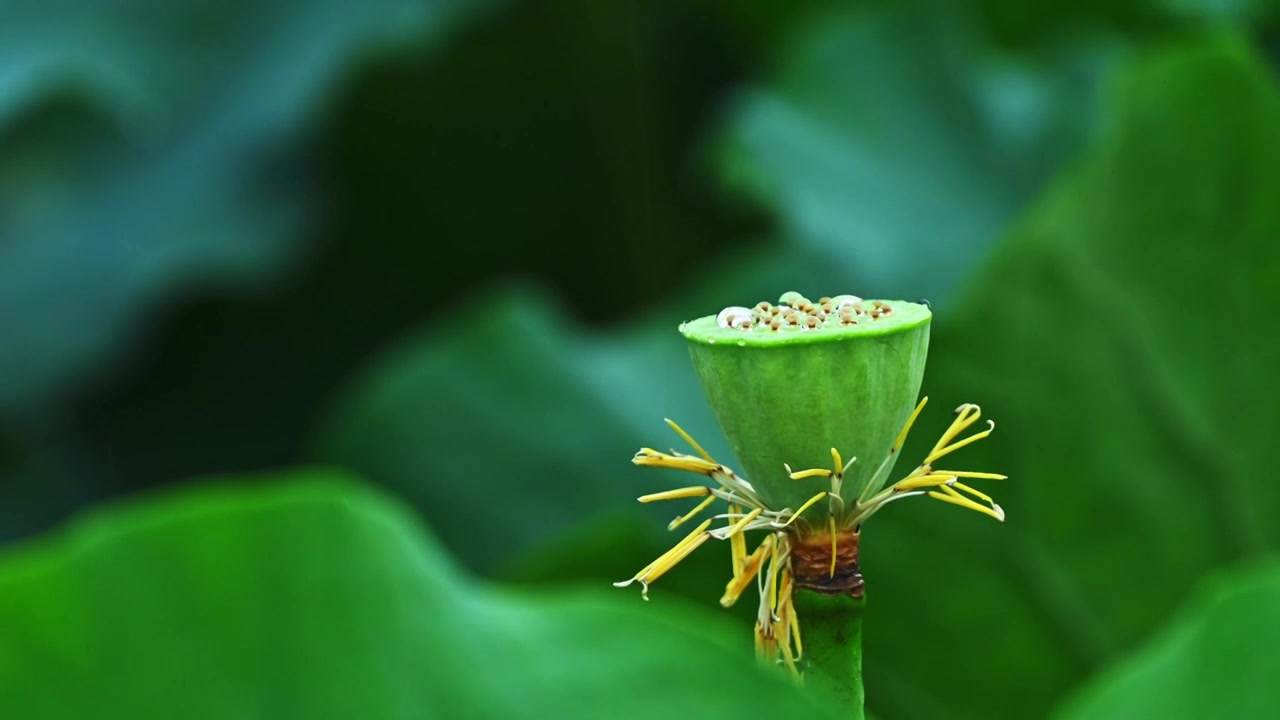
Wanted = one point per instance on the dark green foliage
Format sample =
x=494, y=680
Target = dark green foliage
x=446, y=246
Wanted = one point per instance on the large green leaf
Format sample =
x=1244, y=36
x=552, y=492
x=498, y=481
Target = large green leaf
x=1217, y=658
x=315, y=598
x=142, y=154
x=899, y=144
x=1114, y=338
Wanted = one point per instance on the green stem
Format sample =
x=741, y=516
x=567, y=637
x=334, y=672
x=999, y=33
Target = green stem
x=831, y=627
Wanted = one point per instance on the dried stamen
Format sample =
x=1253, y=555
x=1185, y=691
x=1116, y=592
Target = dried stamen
x=938, y=484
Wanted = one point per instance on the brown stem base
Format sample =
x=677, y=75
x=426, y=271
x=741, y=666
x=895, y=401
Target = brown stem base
x=811, y=564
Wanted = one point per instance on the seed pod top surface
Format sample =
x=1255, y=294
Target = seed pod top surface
x=790, y=381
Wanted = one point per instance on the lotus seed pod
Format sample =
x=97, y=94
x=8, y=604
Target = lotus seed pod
x=787, y=398
x=797, y=394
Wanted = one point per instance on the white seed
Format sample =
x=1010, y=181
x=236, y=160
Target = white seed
x=734, y=316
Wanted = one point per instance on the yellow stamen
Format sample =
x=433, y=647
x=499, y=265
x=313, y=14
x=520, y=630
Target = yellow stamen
x=689, y=515
x=770, y=617
x=784, y=594
x=737, y=545
x=750, y=568
x=677, y=494
x=653, y=458
x=804, y=474
x=971, y=491
x=784, y=649
x=966, y=415
x=786, y=611
x=674, y=559
x=736, y=528
x=836, y=460
x=940, y=484
x=808, y=504
x=957, y=445
x=831, y=526
x=922, y=481
x=777, y=633
x=920, y=470
x=689, y=439
x=902, y=436
x=877, y=478
x=643, y=576
x=772, y=580
x=766, y=644
x=957, y=499
x=975, y=475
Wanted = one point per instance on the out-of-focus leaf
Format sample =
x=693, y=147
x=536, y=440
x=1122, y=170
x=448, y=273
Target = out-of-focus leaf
x=898, y=144
x=136, y=142
x=509, y=426
x=1016, y=23
x=314, y=598
x=1115, y=340
x=1217, y=658
x=763, y=25
x=1219, y=10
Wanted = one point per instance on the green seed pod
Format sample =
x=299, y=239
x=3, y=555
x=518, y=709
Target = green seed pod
x=798, y=388
x=785, y=395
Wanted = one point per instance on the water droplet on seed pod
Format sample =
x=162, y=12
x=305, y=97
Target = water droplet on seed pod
x=791, y=298
x=840, y=302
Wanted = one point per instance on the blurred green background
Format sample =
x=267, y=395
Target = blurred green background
x=328, y=329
